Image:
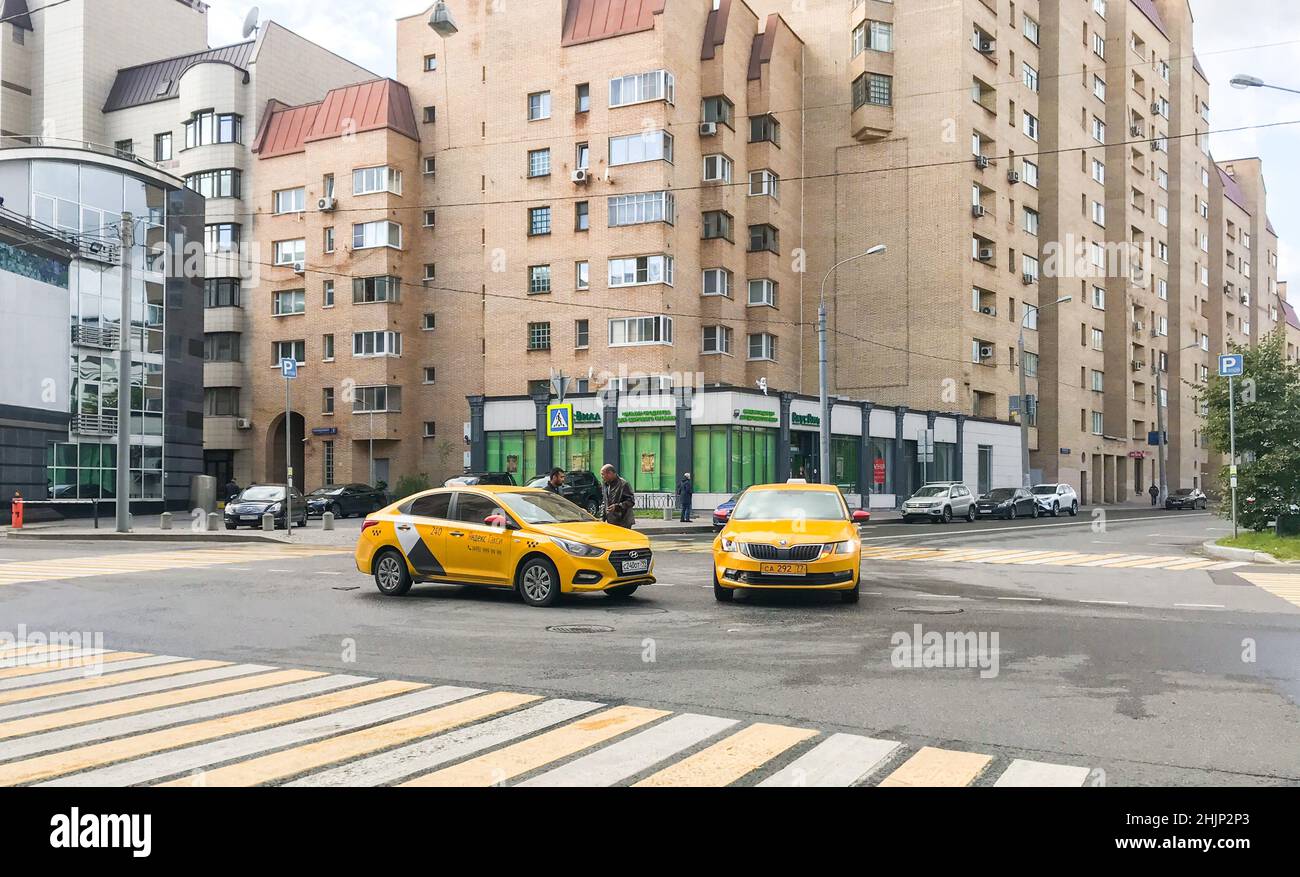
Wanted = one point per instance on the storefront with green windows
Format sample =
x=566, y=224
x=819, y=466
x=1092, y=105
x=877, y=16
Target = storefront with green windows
x=727, y=459
x=513, y=451
x=585, y=449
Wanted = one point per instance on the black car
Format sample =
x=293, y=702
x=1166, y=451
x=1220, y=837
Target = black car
x=581, y=487
x=469, y=479
x=345, y=500
x=246, y=510
x=1007, y=502
x=1186, y=498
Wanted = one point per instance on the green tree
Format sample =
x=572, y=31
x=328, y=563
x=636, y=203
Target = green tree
x=1268, y=429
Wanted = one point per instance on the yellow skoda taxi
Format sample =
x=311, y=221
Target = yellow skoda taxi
x=789, y=536
x=534, y=542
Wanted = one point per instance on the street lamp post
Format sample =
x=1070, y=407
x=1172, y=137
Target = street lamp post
x=824, y=437
x=1024, y=398
x=1244, y=81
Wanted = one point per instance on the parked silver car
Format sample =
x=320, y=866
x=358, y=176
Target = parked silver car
x=940, y=501
x=1056, y=498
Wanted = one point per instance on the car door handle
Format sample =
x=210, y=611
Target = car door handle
x=403, y=526
x=455, y=533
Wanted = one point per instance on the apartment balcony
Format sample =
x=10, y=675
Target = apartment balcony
x=223, y=374
x=94, y=424
x=92, y=335
x=227, y=433
x=224, y=320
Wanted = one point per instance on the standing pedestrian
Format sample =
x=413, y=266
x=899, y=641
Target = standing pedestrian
x=1154, y=491
x=231, y=489
x=555, y=480
x=685, y=491
x=618, y=498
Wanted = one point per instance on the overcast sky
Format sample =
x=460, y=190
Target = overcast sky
x=1261, y=37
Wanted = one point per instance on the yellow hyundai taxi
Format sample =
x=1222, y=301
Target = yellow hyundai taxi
x=534, y=542
x=789, y=536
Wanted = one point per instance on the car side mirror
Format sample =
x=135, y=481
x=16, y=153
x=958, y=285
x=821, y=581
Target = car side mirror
x=497, y=521
x=861, y=516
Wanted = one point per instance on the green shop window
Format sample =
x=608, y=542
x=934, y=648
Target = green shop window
x=730, y=458
x=585, y=449
x=513, y=452
x=648, y=458
x=844, y=462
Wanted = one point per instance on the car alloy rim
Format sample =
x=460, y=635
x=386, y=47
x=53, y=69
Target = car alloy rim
x=389, y=575
x=537, y=582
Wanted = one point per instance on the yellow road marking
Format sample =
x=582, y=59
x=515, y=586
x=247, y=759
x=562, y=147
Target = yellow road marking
x=1191, y=564
x=301, y=759
x=971, y=555
x=1006, y=556
x=1107, y=559
x=1147, y=562
x=728, y=760
x=1069, y=560
x=126, y=706
x=497, y=767
x=1043, y=557
x=1281, y=585
x=90, y=682
x=938, y=767
x=57, y=663
x=75, y=760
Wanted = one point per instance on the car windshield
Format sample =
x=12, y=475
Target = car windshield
x=934, y=490
x=262, y=494
x=326, y=491
x=1183, y=491
x=1045, y=489
x=1001, y=493
x=543, y=508
x=789, y=505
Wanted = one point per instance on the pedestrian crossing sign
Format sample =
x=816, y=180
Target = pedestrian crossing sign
x=559, y=419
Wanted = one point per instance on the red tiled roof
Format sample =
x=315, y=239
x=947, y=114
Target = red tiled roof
x=586, y=21
x=1232, y=189
x=366, y=106
x=1148, y=8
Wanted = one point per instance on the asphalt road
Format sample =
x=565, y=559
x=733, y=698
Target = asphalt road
x=1137, y=673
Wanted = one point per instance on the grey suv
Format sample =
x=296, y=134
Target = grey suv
x=940, y=501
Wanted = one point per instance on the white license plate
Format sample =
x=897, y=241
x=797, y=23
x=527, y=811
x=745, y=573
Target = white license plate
x=248, y=517
x=635, y=566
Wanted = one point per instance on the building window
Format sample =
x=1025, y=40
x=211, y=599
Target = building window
x=539, y=106
x=327, y=472
x=327, y=348
x=582, y=275
x=720, y=110
x=290, y=252
x=717, y=169
x=282, y=350
x=630, y=331
x=430, y=218
x=221, y=402
x=873, y=88
x=328, y=243
x=640, y=270
x=224, y=183
x=221, y=292
x=539, y=279
x=162, y=146
x=764, y=129
x=1029, y=76
x=222, y=237
x=377, y=400
x=369, y=180
x=582, y=157
x=428, y=322
x=581, y=216
x=1097, y=423
x=539, y=336
x=430, y=63
x=1031, y=220
x=581, y=334
x=764, y=237
x=717, y=225
x=764, y=182
x=366, y=235
x=1098, y=339
x=289, y=200
x=1099, y=298
x=327, y=294
x=1029, y=172
x=327, y=400
x=430, y=271
x=288, y=301
x=206, y=127
x=430, y=165
x=762, y=293
x=716, y=281
x=1031, y=126
x=636, y=148
x=539, y=162
x=762, y=346
x=370, y=290
x=539, y=221
x=641, y=87
x=582, y=98
x=641, y=208
x=430, y=115
x=221, y=347
x=716, y=339
x=370, y=344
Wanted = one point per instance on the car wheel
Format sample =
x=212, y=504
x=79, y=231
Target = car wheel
x=853, y=595
x=1035, y=511
x=721, y=594
x=593, y=509
x=1011, y=515
x=392, y=578
x=1074, y=509
x=538, y=582
x=1056, y=509
x=232, y=526
x=947, y=515
x=1169, y=506
x=622, y=592
x=970, y=514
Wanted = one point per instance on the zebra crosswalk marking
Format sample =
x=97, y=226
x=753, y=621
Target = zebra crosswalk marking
x=931, y=766
x=168, y=669
x=840, y=760
x=1283, y=585
x=1038, y=774
x=81, y=672
x=31, y=665
x=732, y=758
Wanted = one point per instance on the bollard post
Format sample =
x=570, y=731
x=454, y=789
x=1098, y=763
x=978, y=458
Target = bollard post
x=214, y=522
x=327, y=521
x=268, y=523
x=16, y=511
x=165, y=521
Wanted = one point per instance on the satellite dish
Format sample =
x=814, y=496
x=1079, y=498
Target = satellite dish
x=250, y=22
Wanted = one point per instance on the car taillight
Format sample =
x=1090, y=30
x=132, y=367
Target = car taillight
x=365, y=525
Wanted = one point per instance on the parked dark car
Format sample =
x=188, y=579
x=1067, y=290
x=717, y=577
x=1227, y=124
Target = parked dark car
x=246, y=510
x=345, y=500
x=1007, y=502
x=722, y=513
x=469, y=479
x=581, y=487
x=1186, y=498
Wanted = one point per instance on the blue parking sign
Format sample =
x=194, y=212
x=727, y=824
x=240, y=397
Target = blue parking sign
x=289, y=367
x=1231, y=365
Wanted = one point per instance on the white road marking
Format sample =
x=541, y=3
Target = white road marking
x=635, y=754
x=1023, y=599
x=416, y=758
x=1200, y=605
x=1023, y=772
x=840, y=760
x=1107, y=602
x=87, y=670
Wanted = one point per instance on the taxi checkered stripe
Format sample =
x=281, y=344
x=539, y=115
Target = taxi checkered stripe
x=146, y=719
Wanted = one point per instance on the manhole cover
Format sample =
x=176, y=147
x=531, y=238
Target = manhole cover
x=580, y=628
x=927, y=611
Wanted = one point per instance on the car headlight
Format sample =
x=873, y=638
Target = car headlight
x=729, y=544
x=273, y=508
x=842, y=547
x=577, y=549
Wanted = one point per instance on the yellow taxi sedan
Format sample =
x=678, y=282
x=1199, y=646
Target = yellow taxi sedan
x=789, y=537
x=531, y=541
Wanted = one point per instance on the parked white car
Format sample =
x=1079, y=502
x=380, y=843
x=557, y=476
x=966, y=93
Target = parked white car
x=940, y=501
x=1056, y=498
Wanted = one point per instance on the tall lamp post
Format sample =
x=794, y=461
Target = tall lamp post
x=1243, y=81
x=824, y=438
x=1024, y=399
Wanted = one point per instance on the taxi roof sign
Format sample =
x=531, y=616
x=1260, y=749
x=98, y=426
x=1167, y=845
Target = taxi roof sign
x=559, y=419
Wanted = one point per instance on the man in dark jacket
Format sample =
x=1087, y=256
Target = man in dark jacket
x=618, y=498
x=231, y=489
x=1154, y=492
x=555, y=480
x=685, y=490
